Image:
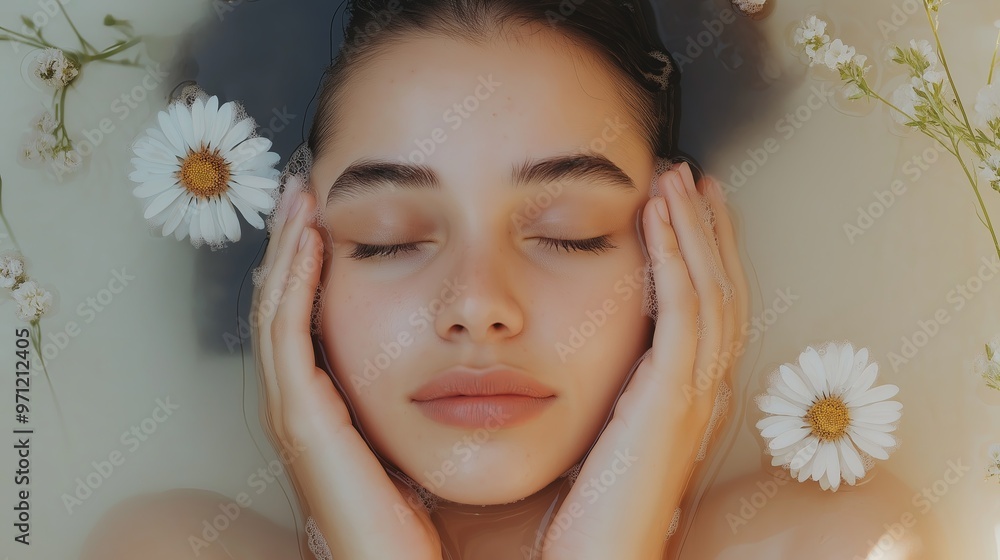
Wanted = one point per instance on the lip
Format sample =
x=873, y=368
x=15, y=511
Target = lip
x=495, y=398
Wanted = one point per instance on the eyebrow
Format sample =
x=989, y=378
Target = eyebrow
x=371, y=176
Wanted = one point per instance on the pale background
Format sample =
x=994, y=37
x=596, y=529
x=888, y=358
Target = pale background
x=163, y=335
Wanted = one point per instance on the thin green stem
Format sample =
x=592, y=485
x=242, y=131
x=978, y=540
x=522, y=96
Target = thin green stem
x=944, y=62
x=975, y=188
x=83, y=42
x=6, y=224
x=993, y=61
x=23, y=39
x=924, y=130
x=111, y=52
x=36, y=341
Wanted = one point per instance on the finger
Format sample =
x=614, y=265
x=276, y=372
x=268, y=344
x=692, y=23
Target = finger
x=673, y=346
x=294, y=184
x=699, y=258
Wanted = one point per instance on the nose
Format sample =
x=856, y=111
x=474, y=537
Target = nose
x=485, y=307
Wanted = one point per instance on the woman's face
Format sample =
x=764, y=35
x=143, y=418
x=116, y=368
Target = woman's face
x=477, y=160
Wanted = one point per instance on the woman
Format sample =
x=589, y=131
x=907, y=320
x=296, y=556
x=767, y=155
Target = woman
x=488, y=234
x=477, y=184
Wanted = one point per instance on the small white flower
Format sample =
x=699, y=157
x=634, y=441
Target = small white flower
x=38, y=147
x=69, y=159
x=836, y=54
x=45, y=123
x=198, y=166
x=814, y=27
x=32, y=300
x=934, y=76
x=53, y=68
x=859, y=60
x=987, y=105
x=852, y=91
x=906, y=100
x=11, y=270
x=993, y=469
x=825, y=420
x=989, y=168
x=925, y=50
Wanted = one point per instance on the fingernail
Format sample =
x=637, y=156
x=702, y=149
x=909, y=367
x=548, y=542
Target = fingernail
x=303, y=238
x=661, y=209
x=296, y=203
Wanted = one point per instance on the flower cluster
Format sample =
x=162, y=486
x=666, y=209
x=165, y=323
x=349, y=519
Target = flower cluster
x=926, y=101
x=42, y=145
x=58, y=68
x=993, y=468
x=835, y=55
x=826, y=421
x=55, y=69
x=989, y=366
x=32, y=300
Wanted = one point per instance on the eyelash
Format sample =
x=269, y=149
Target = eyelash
x=593, y=245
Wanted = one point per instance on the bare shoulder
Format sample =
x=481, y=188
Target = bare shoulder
x=766, y=515
x=187, y=523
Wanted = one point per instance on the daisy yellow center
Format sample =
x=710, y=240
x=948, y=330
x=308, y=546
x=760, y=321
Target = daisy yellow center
x=828, y=418
x=205, y=174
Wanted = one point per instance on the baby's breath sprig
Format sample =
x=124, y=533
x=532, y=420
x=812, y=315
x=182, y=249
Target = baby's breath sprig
x=32, y=300
x=928, y=101
x=58, y=68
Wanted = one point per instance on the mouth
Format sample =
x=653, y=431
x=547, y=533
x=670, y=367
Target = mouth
x=493, y=399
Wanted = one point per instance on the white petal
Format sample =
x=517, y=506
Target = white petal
x=780, y=425
x=863, y=383
x=223, y=122
x=198, y=123
x=790, y=437
x=178, y=214
x=833, y=465
x=255, y=182
x=248, y=149
x=812, y=365
x=206, y=215
x=254, y=197
x=153, y=167
x=831, y=364
x=880, y=438
x=157, y=135
x=851, y=466
x=211, y=111
x=870, y=396
x=154, y=187
x=803, y=458
x=228, y=220
x=260, y=162
x=248, y=212
x=795, y=383
x=846, y=366
x=779, y=387
x=867, y=445
x=878, y=427
x=182, y=118
x=148, y=152
x=238, y=133
x=776, y=405
x=195, y=228
x=161, y=202
x=171, y=132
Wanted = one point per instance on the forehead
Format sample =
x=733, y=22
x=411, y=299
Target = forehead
x=468, y=109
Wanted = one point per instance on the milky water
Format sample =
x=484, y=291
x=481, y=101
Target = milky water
x=152, y=366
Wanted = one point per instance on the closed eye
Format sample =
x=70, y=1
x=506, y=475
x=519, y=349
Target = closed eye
x=594, y=245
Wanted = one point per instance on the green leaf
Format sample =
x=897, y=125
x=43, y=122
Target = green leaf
x=110, y=20
x=27, y=22
x=989, y=353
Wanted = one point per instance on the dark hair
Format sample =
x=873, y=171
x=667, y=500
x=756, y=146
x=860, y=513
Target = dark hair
x=623, y=34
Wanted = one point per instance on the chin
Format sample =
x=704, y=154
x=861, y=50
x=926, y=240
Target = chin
x=495, y=474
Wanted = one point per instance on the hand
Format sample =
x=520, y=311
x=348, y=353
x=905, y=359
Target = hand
x=650, y=445
x=361, y=511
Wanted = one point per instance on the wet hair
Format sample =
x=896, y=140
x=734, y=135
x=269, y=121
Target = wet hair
x=622, y=33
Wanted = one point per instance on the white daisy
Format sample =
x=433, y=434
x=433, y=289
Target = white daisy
x=198, y=165
x=825, y=421
x=53, y=68
x=11, y=271
x=32, y=300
